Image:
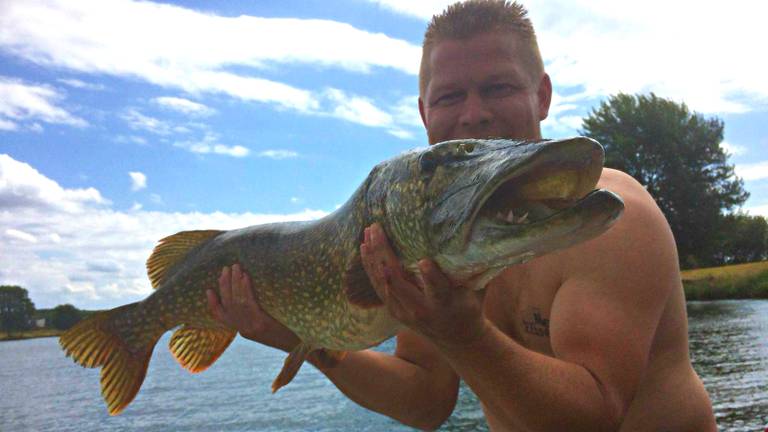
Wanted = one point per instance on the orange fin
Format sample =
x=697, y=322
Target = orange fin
x=292, y=365
x=196, y=348
x=357, y=286
x=171, y=250
x=94, y=342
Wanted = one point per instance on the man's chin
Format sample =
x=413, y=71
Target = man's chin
x=508, y=136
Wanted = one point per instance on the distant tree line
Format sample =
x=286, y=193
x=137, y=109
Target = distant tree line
x=676, y=155
x=18, y=313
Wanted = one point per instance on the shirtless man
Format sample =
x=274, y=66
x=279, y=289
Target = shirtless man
x=590, y=338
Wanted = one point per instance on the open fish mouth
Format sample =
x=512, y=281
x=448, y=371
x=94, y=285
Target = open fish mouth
x=536, y=197
x=533, y=205
x=552, y=183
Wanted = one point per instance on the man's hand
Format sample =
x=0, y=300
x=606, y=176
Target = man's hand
x=430, y=304
x=239, y=310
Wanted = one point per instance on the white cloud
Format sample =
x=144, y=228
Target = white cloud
x=22, y=186
x=357, y=109
x=20, y=235
x=96, y=257
x=7, y=125
x=278, y=154
x=406, y=111
x=761, y=210
x=752, y=171
x=423, y=9
x=733, y=149
x=76, y=83
x=186, y=49
x=184, y=106
x=20, y=101
x=210, y=144
x=157, y=199
x=138, y=180
x=610, y=46
x=130, y=139
x=137, y=120
x=400, y=133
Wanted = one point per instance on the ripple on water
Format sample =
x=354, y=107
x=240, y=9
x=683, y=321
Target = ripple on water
x=50, y=393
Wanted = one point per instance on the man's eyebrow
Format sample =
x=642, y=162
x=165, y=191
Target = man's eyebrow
x=441, y=88
x=509, y=75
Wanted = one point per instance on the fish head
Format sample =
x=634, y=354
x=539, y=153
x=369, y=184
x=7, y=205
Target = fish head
x=479, y=206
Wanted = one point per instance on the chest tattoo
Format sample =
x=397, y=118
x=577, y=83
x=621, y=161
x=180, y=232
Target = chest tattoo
x=535, y=323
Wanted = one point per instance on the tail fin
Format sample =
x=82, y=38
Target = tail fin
x=123, y=355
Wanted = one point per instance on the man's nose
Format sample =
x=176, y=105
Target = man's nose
x=475, y=112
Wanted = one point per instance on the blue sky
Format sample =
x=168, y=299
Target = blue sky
x=122, y=122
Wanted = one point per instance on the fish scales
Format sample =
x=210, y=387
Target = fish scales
x=439, y=203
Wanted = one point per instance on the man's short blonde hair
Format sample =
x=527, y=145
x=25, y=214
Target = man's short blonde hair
x=464, y=20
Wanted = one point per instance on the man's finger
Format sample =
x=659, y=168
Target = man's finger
x=437, y=284
x=225, y=286
x=381, y=247
x=407, y=295
x=371, y=270
x=213, y=305
x=247, y=286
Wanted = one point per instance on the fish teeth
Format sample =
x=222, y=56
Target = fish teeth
x=510, y=217
x=522, y=219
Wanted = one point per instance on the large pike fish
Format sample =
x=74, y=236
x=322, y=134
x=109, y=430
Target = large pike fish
x=474, y=206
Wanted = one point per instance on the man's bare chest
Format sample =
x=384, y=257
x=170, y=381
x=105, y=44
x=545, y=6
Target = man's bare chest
x=519, y=303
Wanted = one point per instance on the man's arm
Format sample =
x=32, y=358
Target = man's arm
x=414, y=386
x=602, y=324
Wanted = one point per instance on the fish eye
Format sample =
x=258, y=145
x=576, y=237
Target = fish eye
x=428, y=162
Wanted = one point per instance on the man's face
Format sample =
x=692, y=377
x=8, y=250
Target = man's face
x=482, y=88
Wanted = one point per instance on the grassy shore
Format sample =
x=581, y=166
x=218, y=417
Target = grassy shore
x=29, y=334
x=740, y=281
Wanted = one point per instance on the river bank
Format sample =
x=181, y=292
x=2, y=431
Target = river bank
x=29, y=334
x=739, y=281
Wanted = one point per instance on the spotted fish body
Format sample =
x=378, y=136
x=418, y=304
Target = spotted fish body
x=453, y=202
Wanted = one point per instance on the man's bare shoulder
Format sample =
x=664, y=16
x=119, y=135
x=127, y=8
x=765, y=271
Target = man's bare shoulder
x=640, y=241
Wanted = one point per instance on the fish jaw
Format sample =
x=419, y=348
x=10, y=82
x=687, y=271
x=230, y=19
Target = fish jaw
x=500, y=171
x=519, y=200
x=496, y=244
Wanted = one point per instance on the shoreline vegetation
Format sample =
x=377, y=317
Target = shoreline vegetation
x=731, y=282
x=29, y=334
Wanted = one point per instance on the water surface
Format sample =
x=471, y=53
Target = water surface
x=41, y=390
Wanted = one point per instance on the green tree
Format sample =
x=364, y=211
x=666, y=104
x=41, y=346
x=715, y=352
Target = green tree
x=65, y=316
x=677, y=156
x=744, y=239
x=16, y=308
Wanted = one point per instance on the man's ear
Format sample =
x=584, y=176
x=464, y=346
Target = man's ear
x=545, y=96
x=422, y=113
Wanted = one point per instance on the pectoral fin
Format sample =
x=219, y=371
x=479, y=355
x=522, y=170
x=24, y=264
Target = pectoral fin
x=292, y=365
x=357, y=286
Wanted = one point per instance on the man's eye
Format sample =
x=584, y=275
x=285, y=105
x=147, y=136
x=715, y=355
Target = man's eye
x=447, y=98
x=499, y=90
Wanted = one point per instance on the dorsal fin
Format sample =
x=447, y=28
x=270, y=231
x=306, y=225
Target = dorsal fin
x=172, y=249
